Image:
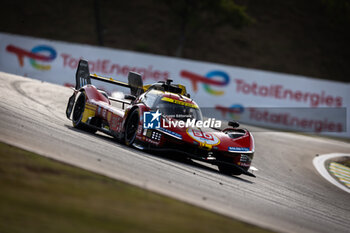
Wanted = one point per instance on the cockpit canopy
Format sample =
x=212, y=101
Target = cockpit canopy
x=171, y=105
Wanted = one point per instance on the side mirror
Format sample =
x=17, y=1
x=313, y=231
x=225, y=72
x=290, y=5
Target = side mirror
x=233, y=124
x=130, y=97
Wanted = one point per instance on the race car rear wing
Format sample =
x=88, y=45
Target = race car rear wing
x=83, y=77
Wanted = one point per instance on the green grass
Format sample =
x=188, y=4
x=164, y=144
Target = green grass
x=38, y=194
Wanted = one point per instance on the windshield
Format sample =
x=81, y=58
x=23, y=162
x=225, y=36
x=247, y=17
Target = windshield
x=178, y=109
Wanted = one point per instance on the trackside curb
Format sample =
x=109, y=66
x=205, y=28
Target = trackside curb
x=319, y=164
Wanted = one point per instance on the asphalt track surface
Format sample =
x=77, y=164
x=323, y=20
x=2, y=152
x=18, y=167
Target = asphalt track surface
x=288, y=194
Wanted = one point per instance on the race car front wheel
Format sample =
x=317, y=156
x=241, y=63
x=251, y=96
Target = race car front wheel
x=131, y=127
x=78, y=112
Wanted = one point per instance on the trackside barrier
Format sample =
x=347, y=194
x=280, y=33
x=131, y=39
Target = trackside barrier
x=253, y=96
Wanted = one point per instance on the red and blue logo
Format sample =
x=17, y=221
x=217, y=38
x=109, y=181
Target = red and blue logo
x=234, y=112
x=42, y=53
x=207, y=80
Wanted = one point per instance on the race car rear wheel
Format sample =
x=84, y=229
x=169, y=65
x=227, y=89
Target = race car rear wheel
x=78, y=112
x=131, y=127
x=229, y=170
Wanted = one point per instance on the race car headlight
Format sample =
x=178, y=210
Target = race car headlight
x=154, y=135
x=246, y=157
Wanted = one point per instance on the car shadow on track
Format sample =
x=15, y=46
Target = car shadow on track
x=171, y=157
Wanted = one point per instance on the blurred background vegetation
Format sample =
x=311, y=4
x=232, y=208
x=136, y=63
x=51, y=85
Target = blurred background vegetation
x=292, y=36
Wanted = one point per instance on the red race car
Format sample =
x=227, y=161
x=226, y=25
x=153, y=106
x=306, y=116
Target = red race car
x=159, y=117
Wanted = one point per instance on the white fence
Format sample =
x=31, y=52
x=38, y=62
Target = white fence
x=254, y=96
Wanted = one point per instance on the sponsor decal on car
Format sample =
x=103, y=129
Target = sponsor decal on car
x=171, y=133
x=244, y=164
x=170, y=100
x=203, y=137
x=115, y=123
x=233, y=149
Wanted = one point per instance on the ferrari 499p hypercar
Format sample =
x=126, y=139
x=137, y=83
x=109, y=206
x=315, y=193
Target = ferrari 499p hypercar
x=158, y=117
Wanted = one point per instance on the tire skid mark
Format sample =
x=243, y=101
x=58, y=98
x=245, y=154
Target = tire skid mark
x=17, y=87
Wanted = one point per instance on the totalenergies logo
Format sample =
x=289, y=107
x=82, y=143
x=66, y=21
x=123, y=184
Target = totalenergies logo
x=234, y=112
x=41, y=53
x=207, y=80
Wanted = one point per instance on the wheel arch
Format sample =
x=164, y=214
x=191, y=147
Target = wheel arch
x=92, y=93
x=135, y=107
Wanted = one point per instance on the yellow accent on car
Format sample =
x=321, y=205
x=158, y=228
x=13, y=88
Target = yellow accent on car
x=109, y=116
x=90, y=106
x=205, y=146
x=88, y=112
x=183, y=88
x=145, y=87
x=170, y=100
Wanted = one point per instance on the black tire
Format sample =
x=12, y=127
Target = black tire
x=78, y=112
x=131, y=127
x=228, y=170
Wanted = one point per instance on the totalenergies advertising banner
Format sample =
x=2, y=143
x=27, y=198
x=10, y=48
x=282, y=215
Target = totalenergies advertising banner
x=257, y=97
